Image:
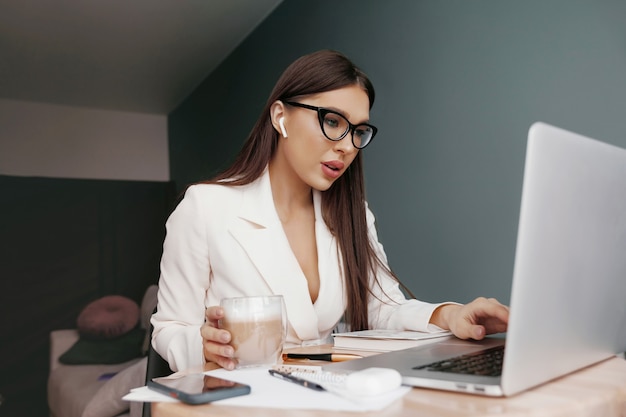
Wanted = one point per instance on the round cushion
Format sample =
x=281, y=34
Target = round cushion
x=108, y=317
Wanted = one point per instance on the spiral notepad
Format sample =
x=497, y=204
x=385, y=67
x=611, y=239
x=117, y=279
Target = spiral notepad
x=356, y=386
x=331, y=381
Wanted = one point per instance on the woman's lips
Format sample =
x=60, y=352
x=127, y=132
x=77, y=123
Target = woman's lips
x=332, y=169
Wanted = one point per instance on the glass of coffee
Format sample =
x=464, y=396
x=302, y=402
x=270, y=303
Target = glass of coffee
x=258, y=328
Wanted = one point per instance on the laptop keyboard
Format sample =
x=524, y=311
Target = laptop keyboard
x=487, y=363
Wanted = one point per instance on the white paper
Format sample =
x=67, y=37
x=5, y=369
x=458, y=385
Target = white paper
x=145, y=394
x=271, y=392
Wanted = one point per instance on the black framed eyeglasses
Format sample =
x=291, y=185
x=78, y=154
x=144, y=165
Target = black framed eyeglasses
x=335, y=126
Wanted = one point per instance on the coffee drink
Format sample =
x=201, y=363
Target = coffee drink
x=255, y=342
x=257, y=326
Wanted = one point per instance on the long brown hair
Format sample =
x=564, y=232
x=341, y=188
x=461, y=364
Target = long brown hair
x=343, y=204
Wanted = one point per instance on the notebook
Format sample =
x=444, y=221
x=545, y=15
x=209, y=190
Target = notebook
x=569, y=278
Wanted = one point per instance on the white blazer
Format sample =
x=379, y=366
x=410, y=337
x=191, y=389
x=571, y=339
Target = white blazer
x=225, y=241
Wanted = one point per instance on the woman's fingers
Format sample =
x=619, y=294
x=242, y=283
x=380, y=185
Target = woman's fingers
x=479, y=318
x=215, y=340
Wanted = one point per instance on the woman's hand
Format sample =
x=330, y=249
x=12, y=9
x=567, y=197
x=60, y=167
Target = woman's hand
x=475, y=320
x=215, y=340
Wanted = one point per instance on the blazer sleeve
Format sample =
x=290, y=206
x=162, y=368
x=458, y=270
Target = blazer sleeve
x=183, y=284
x=388, y=308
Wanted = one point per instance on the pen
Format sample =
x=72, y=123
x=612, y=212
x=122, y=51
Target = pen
x=328, y=357
x=300, y=381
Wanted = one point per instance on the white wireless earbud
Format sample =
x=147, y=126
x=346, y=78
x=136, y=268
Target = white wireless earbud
x=281, y=122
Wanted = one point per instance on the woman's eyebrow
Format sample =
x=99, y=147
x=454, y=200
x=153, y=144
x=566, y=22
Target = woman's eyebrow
x=339, y=111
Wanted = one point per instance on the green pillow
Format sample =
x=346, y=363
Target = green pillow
x=109, y=351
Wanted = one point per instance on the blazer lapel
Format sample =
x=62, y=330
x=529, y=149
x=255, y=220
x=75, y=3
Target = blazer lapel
x=262, y=237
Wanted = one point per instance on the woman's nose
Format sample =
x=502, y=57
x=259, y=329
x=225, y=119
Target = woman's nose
x=345, y=144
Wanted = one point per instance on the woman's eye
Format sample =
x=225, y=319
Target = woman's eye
x=331, y=121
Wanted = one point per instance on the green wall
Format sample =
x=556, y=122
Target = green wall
x=458, y=84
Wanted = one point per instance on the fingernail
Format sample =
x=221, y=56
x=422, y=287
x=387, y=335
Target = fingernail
x=225, y=337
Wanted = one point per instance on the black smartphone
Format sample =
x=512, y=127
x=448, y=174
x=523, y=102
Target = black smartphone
x=198, y=388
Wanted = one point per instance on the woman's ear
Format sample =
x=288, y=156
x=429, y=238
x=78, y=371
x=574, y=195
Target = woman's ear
x=277, y=115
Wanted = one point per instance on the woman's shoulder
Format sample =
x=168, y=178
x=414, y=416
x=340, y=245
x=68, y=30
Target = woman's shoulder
x=369, y=215
x=211, y=190
x=212, y=197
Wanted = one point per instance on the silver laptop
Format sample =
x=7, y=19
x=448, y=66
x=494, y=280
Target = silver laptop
x=568, y=307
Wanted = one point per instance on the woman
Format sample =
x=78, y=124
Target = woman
x=289, y=217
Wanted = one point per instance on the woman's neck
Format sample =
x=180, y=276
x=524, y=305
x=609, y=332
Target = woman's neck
x=291, y=195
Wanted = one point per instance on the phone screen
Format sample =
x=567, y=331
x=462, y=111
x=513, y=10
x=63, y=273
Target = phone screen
x=199, y=388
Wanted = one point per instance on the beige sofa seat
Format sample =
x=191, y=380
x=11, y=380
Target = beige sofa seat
x=95, y=390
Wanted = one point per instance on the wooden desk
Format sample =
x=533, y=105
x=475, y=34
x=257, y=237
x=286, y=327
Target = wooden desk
x=597, y=391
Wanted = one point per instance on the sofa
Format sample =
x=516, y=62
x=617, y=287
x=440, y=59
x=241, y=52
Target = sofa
x=96, y=389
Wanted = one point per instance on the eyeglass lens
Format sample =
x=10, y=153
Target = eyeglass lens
x=336, y=127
